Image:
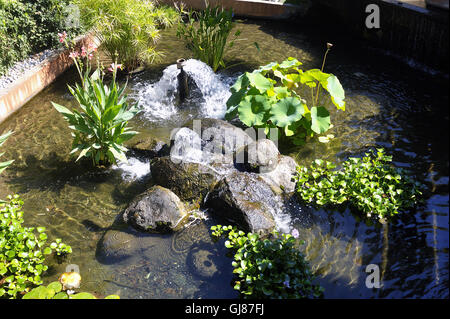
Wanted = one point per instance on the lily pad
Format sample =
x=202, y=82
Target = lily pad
x=252, y=110
x=286, y=111
x=320, y=119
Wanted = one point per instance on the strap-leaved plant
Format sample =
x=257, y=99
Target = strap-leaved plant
x=100, y=124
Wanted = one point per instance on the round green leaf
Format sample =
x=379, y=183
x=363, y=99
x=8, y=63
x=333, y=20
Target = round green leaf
x=320, y=119
x=253, y=109
x=82, y=295
x=287, y=111
x=336, y=91
x=55, y=286
x=259, y=81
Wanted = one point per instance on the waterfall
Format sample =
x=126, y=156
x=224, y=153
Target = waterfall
x=158, y=100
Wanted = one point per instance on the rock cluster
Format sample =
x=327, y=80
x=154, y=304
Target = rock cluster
x=221, y=167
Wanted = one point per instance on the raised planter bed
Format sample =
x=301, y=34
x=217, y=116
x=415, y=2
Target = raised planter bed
x=15, y=95
x=251, y=8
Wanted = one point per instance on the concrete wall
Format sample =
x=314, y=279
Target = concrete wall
x=33, y=81
x=249, y=8
x=406, y=30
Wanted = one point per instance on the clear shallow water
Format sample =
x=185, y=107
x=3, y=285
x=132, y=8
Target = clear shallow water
x=388, y=104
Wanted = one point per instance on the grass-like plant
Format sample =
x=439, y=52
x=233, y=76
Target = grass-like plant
x=370, y=184
x=100, y=124
x=268, y=268
x=207, y=32
x=127, y=29
x=268, y=98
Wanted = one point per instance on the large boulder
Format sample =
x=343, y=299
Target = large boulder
x=246, y=200
x=281, y=178
x=189, y=181
x=156, y=210
x=259, y=156
x=218, y=136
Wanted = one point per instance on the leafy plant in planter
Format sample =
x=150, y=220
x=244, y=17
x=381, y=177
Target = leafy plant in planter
x=370, y=184
x=207, y=32
x=128, y=29
x=268, y=268
x=267, y=98
x=100, y=128
x=22, y=251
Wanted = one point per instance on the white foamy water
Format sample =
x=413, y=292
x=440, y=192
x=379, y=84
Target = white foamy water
x=158, y=99
x=135, y=169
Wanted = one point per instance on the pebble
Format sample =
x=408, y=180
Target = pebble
x=21, y=67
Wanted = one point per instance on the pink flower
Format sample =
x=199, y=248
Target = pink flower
x=62, y=37
x=74, y=54
x=114, y=67
x=90, y=56
x=91, y=48
x=83, y=52
x=295, y=233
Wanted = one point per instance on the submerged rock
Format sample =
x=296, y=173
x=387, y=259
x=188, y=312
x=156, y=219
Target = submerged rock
x=116, y=245
x=203, y=261
x=156, y=210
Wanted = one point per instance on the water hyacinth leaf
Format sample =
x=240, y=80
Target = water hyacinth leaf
x=286, y=111
x=320, y=119
x=253, y=109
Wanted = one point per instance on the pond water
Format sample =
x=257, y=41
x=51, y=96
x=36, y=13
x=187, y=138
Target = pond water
x=389, y=105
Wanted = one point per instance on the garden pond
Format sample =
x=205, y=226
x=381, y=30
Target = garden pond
x=388, y=104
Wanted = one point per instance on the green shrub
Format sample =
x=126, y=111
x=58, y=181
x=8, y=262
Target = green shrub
x=22, y=251
x=127, y=29
x=54, y=291
x=268, y=268
x=371, y=184
x=100, y=128
x=207, y=32
x=30, y=26
x=267, y=98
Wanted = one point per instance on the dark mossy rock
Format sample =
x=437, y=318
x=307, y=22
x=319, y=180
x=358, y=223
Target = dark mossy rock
x=190, y=181
x=156, y=210
x=147, y=146
x=246, y=200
